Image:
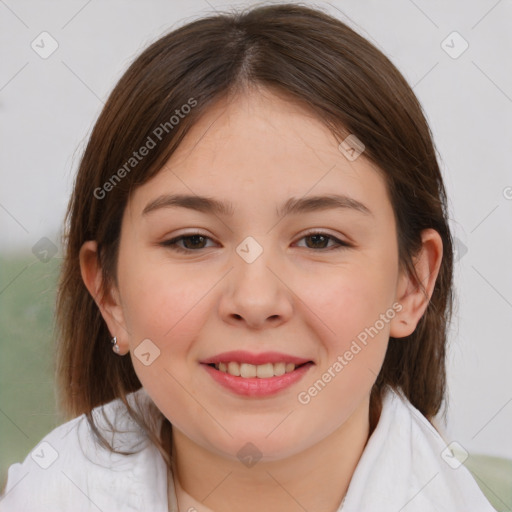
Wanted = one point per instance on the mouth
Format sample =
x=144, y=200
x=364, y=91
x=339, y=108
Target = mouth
x=260, y=371
x=256, y=375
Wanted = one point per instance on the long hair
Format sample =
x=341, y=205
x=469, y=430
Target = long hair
x=313, y=58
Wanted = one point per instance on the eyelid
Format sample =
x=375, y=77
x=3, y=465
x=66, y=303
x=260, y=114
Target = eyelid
x=172, y=241
x=321, y=231
x=193, y=232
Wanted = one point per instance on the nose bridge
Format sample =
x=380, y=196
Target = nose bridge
x=252, y=261
x=255, y=293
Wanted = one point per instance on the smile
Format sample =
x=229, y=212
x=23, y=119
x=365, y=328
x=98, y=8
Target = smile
x=261, y=371
x=256, y=381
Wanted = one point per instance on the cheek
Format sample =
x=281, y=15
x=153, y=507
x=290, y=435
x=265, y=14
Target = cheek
x=350, y=299
x=159, y=303
x=168, y=308
x=355, y=302
x=352, y=304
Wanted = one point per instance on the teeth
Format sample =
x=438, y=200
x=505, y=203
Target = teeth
x=248, y=370
x=233, y=369
x=262, y=371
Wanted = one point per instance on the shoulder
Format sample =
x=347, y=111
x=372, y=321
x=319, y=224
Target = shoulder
x=406, y=466
x=69, y=470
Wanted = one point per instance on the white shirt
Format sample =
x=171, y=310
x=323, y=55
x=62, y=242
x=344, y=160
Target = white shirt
x=401, y=469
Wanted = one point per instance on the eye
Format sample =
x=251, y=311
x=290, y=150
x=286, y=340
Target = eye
x=191, y=242
x=196, y=241
x=319, y=240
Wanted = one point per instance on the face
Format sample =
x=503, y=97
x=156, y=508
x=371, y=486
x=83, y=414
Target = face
x=316, y=284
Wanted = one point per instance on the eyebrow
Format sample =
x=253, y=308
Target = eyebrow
x=292, y=206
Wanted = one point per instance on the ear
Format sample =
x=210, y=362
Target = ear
x=410, y=292
x=108, y=301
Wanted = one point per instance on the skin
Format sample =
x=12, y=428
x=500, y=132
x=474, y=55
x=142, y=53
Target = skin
x=297, y=297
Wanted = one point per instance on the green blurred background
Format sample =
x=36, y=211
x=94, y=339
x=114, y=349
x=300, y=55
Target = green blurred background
x=27, y=399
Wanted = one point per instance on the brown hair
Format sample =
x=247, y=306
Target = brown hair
x=314, y=59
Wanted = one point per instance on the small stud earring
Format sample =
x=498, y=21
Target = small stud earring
x=115, y=346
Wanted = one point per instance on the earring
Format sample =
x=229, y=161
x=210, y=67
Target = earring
x=115, y=346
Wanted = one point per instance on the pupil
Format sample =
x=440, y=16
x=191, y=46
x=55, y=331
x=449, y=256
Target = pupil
x=194, y=239
x=316, y=237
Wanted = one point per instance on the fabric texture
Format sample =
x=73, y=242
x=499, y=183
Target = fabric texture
x=401, y=468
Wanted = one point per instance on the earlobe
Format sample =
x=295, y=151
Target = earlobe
x=106, y=300
x=414, y=294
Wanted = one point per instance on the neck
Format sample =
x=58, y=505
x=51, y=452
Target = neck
x=315, y=479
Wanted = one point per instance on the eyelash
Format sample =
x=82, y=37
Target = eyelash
x=172, y=244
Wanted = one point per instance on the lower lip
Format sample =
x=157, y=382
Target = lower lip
x=255, y=386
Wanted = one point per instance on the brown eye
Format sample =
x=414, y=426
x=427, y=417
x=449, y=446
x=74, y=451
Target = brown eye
x=194, y=241
x=191, y=243
x=321, y=241
x=317, y=241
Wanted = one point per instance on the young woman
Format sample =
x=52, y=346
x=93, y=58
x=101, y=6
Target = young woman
x=259, y=227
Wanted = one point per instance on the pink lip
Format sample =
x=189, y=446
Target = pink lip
x=256, y=387
x=240, y=356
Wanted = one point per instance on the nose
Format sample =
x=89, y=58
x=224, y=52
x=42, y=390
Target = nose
x=255, y=292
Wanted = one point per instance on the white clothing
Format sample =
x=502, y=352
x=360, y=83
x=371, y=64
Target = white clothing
x=401, y=469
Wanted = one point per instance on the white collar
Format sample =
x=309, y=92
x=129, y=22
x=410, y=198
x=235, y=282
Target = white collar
x=401, y=469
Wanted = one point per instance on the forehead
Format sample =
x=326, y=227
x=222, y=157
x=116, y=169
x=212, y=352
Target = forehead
x=262, y=147
x=259, y=127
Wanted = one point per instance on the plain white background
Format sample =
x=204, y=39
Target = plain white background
x=48, y=107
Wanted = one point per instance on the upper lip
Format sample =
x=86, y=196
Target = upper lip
x=241, y=356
